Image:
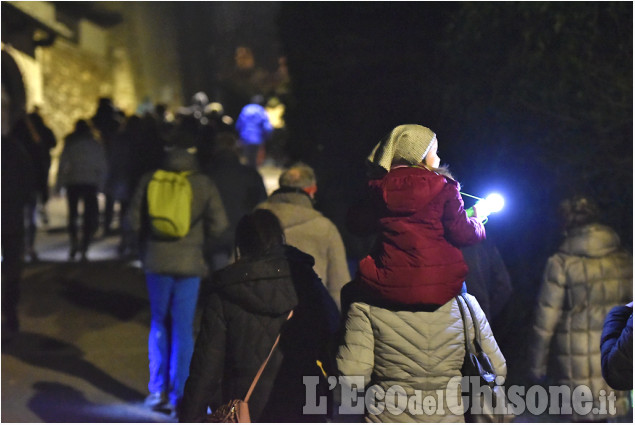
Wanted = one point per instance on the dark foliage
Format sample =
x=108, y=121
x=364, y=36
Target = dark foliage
x=535, y=98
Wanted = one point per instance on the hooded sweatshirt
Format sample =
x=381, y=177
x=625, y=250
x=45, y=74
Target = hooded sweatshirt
x=249, y=307
x=422, y=226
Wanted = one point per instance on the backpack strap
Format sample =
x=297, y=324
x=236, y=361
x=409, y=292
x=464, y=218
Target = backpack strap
x=264, y=364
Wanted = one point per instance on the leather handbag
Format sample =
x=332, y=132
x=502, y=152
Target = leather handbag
x=477, y=363
x=237, y=411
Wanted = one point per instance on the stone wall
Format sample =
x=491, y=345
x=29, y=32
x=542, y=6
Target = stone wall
x=73, y=80
x=130, y=62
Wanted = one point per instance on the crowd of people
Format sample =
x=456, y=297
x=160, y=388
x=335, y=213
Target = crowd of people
x=273, y=268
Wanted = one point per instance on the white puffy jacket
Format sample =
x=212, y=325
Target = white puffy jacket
x=415, y=350
x=588, y=276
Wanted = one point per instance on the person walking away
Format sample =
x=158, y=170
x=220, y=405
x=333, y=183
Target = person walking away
x=419, y=348
x=47, y=143
x=173, y=262
x=36, y=141
x=82, y=171
x=119, y=185
x=18, y=184
x=241, y=188
x=589, y=275
x=107, y=120
x=248, y=308
x=401, y=314
x=254, y=128
x=308, y=229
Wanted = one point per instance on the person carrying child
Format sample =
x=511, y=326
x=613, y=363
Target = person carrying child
x=403, y=323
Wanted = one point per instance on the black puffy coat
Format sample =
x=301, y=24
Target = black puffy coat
x=617, y=348
x=248, y=308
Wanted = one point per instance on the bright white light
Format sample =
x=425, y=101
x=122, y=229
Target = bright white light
x=495, y=202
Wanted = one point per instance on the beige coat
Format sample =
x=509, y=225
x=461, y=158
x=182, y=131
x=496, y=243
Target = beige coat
x=308, y=230
x=588, y=276
x=418, y=351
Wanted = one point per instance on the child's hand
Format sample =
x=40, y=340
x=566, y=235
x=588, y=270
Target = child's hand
x=481, y=210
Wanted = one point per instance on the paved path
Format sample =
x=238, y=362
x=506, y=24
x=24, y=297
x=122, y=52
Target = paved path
x=81, y=355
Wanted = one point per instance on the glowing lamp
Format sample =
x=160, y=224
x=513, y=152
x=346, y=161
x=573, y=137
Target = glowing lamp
x=491, y=204
x=495, y=202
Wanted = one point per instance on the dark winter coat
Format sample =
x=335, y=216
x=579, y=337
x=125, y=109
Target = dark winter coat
x=487, y=279
x=18, y=185
x=422, y=225
x=241, y=188
x=241, y=320
x=183, y=257
x=617, y=348
x=588, y=276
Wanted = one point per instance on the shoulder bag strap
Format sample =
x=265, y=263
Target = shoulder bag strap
x=477, y=331
x=466, y=331
x=264, y=364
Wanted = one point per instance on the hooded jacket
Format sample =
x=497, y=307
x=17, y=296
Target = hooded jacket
x=309, y=231
x=417, y=350
x=588, y=276
x=253, y=124
x=422, y=225
x=183, y=257
x=249, y=307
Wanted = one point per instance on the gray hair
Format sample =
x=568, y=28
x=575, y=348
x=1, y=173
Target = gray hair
x=298, y=175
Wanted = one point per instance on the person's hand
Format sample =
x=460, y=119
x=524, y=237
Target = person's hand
x=481, y=210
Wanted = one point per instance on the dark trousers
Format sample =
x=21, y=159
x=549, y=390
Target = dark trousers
x=252, y=154
x=90, y=219
x=12, y=262
x=30, y=223
x=109, y=212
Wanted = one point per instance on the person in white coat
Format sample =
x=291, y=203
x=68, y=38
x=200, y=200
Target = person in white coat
x=589, y=275
x=415, y=350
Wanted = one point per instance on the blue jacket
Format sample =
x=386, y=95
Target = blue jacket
x=253, y=124
x=617, y=348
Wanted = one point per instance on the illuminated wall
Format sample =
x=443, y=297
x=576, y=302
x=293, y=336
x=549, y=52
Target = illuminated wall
x=128, y=62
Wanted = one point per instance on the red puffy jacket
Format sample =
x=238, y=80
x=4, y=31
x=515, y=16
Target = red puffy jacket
x=422, y=225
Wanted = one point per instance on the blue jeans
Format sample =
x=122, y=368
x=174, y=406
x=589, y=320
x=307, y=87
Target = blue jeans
x=171, y=341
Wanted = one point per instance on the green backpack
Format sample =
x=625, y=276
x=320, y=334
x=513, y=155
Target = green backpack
x=170, y=203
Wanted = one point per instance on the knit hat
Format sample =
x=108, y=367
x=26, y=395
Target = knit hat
x=406, y=144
